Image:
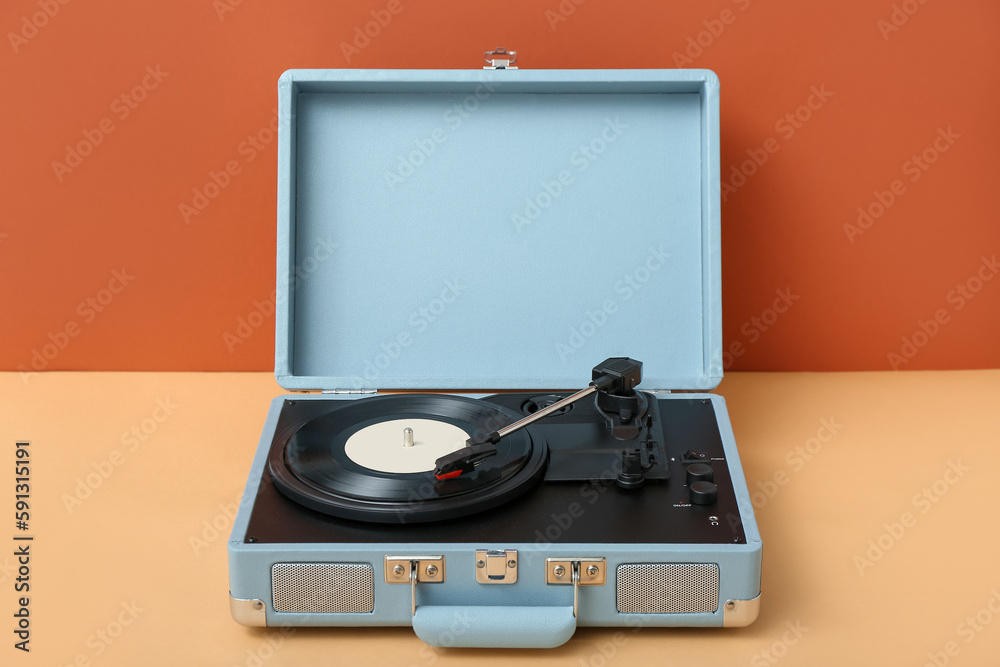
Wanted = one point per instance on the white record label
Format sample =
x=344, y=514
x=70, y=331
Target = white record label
x=380, y=446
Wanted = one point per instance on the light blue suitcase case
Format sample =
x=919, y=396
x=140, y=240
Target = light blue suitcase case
x=485, y=230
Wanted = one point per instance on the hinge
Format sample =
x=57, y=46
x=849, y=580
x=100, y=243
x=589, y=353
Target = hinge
x=349, y=391
x=501, y=58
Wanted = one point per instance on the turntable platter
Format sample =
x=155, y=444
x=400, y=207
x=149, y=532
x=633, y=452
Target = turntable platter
x=351, y=460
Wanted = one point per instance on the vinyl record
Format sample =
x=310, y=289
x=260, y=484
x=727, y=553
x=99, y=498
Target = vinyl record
x=321, y=463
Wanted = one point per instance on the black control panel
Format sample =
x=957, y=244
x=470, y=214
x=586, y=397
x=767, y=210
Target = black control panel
x=683, y=492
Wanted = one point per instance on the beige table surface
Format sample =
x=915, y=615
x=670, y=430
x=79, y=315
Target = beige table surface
x=134, y=573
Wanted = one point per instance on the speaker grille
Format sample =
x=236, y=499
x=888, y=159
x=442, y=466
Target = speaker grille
x=342, y=588
x=667, y=588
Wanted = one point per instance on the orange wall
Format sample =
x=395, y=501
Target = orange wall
x=206, y=72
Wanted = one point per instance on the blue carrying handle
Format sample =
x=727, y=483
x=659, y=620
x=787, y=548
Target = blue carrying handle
x=494, y=627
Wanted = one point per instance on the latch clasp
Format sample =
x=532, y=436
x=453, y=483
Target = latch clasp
x=501, y=58
x=496, y=567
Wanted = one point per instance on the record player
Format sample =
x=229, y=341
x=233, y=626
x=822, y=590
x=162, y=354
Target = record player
x=471, y=265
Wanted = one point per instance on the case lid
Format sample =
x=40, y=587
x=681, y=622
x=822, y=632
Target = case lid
x=497, y=229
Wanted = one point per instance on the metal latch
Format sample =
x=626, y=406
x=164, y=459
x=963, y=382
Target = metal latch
x=501, y=58
x=576, y=571
x=496, y=567
x=414, y=569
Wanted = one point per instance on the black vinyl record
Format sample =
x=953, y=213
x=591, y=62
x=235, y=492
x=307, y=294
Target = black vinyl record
x=309, y=464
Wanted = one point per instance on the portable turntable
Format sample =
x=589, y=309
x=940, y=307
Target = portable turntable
x=490, y=253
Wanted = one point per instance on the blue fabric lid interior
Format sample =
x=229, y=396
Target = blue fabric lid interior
x=497, y=229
